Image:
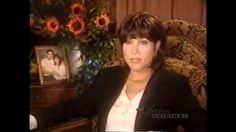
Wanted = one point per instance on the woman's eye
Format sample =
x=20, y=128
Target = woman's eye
x=128, y=42
x=144, y=42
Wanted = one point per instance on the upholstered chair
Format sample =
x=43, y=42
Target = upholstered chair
x=186, y=54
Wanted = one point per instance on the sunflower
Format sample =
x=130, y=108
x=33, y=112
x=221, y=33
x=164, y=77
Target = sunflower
x=76, y=26
x=78, y=10
x=102, y=21
x=49, y=2
x=52, y=24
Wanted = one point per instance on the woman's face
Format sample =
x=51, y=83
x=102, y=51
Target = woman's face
x=139, y=53
x=56, y=60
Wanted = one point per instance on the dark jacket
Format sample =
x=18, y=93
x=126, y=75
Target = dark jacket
x=167, y=102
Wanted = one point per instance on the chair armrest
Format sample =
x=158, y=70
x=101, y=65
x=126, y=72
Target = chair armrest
x=78, y=124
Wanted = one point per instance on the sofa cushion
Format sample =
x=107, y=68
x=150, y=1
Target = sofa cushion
x=183, y=49
x=196, y=77
x=191, y=31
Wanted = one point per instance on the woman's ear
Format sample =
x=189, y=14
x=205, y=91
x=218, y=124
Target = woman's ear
x=157, y=46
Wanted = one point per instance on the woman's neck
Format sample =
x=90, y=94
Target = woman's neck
x=140, y=75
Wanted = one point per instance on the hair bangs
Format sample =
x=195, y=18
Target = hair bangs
x=132, y=30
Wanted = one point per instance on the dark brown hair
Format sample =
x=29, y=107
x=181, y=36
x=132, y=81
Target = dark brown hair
x=145, y=25
x=59, y=57
x=49, y=50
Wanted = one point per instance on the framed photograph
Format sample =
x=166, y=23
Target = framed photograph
x=52, y=63
x=75, y=61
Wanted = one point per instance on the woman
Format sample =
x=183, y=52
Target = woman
x=59, y=68
x=142, y=96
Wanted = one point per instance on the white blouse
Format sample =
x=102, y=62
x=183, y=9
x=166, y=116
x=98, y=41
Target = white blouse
x=123, y=112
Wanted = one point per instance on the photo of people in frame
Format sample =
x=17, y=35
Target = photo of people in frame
x=52, y=64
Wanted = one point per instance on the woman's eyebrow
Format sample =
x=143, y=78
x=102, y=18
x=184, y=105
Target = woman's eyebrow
x=143, y=39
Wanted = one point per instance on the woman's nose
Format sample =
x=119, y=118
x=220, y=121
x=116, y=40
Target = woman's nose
x=134, y=49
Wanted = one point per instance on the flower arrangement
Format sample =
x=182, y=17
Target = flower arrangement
x=77, y=23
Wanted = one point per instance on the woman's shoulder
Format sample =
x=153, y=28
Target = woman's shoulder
x=172, y=76
x=172, y=81
x=114, y=71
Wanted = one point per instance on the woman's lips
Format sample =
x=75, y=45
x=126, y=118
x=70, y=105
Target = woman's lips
x=135, y=60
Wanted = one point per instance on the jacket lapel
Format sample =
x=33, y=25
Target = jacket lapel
x=144, y=105
x=112, y=95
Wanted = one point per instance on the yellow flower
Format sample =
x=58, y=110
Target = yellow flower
x=49, y=2
x=78, y=10
x=102, y=21
x=76, y=26
x=52, y=24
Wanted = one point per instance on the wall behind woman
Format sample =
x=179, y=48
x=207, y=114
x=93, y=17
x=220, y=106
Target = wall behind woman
x=190, y=10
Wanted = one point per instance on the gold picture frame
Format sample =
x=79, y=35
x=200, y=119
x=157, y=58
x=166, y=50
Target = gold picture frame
x=52, y=63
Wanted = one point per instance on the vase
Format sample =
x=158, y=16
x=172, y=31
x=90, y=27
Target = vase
x=75, y=61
